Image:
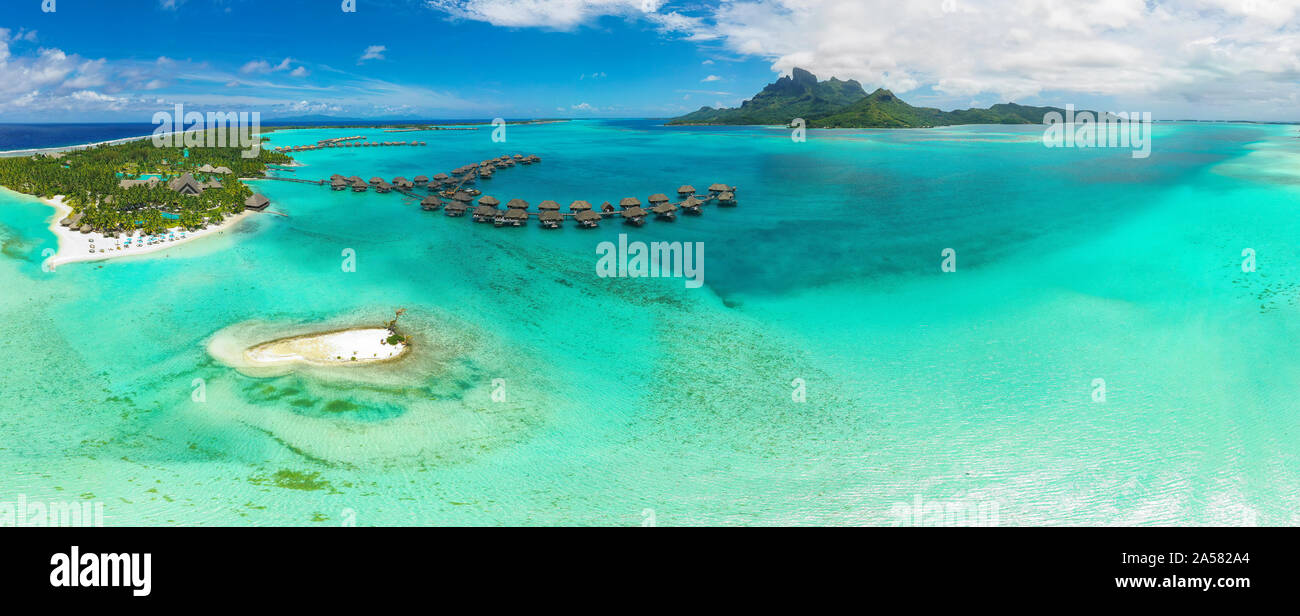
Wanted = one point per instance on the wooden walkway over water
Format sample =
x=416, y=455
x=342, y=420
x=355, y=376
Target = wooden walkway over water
x=453, y=187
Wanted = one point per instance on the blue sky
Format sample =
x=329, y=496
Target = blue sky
x=121, y=61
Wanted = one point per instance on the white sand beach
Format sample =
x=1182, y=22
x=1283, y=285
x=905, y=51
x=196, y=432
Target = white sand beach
x=346, y=347
x=75, y=246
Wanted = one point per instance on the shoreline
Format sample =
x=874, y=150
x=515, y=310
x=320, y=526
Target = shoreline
x=75, y=247
x=340, y=347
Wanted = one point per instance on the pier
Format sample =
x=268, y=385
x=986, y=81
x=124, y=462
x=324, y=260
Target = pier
x=455, y=188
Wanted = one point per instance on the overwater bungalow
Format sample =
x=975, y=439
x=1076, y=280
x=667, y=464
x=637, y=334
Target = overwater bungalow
x=628, y=202
x=256, y=202
x=665, y=211
x=430, y=203
x=485, y=213
x=359, y=186
x=580, y=206
x=518, y=157
x=515, y=218
x=634, y=216
x=490, y=201
x=441, y=178
x=338, y=184
x=550, y=219
x=685, y=190
x=727, y=199
x=607, y=208
x=533, y=158
x=376, y=181
x=383, y=187
x=716, y=189
x=485, y=173
x=421, y=180
x=587, y=219
x=356, y=178
x=548, y=205
x=337, y=176
x=454, y=209
x=658, y=198
x=402, y=183
x=692, y=206
x=517, y=204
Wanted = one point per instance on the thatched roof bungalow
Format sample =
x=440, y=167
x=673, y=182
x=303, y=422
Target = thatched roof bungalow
x=628, y=202
x=587, y=219
x=580, y=205
x=421, y=180
x=634, y=215
x=548, y=206
x=454, y=209
x=517, y=204
x=550, y=219
x=665, y=211
x=489, y=201
x=430, y=203
x=256, y=202
x=658, y=198
x=685, y=190
x=485, y=213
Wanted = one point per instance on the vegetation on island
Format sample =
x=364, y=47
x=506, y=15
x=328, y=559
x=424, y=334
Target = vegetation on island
x=844, y=104
x=90, y=181
x=395, y=337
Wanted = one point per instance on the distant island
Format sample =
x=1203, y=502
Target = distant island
x=845, y=104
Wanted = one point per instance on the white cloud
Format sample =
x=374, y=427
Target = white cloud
x=301, y=71
x=707, y=62
x=1212, y=51
x=712, y=78
x=263, y=67
x=373, y=52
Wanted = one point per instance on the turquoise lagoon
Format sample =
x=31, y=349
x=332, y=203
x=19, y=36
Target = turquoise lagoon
x=631, y=401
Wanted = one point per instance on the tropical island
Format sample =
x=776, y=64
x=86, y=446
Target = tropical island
x=163, y=194
x=845, y=104
x=364, y=345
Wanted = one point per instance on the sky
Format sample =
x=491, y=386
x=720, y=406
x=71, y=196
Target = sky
x=121, y=61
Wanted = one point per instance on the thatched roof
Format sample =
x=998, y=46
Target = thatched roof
x=221, y=170
x=421, y=178
x=587, y=215
x=356, y=178
x=516, y=214
x=336, y=177
x=441, y=176
x=550, y=216
x=692, y=202
x=685, y=189
x=663, y=208
x=256, y=202
x=486, y=210
x=627, y=202
x=517, y=204
x=719, y=187
x=489, y=200
x=606, y=207
x=634, y=212
x=338, y=182
x=186, y=185
x=549, y=205
x=456, y=206
x=726, y=196
x=658, y=198
x=462, y=196
x=376, y=180
x=206, y=168
x=579, y=205
x=431, y=200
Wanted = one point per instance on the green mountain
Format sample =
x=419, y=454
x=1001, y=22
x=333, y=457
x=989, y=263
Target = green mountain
x=843, y=104
x=797, y=96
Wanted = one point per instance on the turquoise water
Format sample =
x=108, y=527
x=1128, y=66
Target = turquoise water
x=637, y=400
